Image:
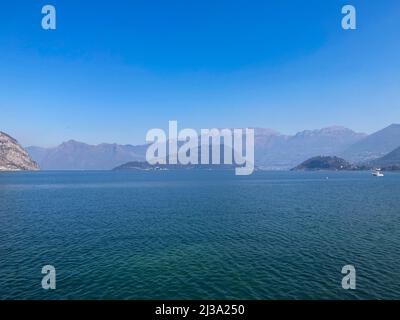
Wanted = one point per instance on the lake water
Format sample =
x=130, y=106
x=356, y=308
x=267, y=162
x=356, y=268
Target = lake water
x=199, y=235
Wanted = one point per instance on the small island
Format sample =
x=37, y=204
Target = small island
x=329, y=163
x=390, y=162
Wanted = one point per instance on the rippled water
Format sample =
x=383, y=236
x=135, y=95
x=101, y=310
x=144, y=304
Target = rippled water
x=199, y=235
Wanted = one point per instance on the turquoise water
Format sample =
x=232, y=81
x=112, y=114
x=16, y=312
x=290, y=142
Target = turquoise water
x=199, y=235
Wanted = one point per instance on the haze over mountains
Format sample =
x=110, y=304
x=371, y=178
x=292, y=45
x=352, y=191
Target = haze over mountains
x=392, y=159
x=273, y=150
x=375, y=145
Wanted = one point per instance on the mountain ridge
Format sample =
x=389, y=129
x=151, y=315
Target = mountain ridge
x=273, y=150
x=76, y=155
x=13, y=157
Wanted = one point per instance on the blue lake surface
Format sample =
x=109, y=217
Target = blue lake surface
x=199, y=235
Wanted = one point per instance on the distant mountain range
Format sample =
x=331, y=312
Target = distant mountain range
x=74, y=155
x=273, y=150
x=13, y=157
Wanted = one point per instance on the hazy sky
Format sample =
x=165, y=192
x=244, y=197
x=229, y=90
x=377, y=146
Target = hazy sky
x=114, y=69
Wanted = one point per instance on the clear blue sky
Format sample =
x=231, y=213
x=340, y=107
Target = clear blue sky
x=114, y=69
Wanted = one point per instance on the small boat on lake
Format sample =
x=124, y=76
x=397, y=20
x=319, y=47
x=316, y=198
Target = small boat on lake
x=378, y=173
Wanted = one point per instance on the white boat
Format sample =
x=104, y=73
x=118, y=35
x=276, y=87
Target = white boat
x=378, y=173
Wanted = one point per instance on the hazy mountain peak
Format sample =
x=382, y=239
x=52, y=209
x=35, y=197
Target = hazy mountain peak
x=336, y=129
x=331, y=130
x=73, y=142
